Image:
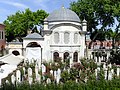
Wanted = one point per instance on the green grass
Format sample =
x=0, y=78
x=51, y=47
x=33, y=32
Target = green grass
x=70, y=85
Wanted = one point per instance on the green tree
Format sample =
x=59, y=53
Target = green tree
x=113, y=35
x=98, y=12
x=115, y=57
x=18, y=24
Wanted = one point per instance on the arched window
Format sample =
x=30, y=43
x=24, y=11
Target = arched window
x=55, y=56
x=75, y=37
x=66, y=37
x=56, y=37
x=66, y=54
x=75, y=57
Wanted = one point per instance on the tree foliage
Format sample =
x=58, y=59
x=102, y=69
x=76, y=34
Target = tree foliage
x=18, y=24
x=104, y=13
x=115, y=57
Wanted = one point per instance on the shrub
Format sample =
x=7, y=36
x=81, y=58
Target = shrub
x=69, y=85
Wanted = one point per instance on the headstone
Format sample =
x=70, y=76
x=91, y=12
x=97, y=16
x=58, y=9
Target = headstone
x=109, y=75
x=38, y=78
x=48, y=80
x=76, y=80
x=51, y=72
x=7, y=82
x=30, y=79
x=96, y=73
x=29, y=72
x=43, y=69
x=110, y=65
x=105, y=74
x=58, y=75
x=18, y=76
x=85, y=79
x=24, y=70
x=112, y=71
x=13, y=79
x=79, y=72
x=104, y=66
x=98, y=68
x=100, y=60
x=118, y=72
x=96, y=59
x=107, y=57
x=64, y=69
x=68, y=70
x=55, y=75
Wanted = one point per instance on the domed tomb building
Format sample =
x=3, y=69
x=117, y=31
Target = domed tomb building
x=63, y=36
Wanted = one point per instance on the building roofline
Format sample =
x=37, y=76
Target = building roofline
x=2, y=24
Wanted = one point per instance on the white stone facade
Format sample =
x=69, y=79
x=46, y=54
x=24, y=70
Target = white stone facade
x=62, y=36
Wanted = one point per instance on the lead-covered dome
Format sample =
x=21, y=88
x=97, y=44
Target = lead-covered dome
x=63, y=14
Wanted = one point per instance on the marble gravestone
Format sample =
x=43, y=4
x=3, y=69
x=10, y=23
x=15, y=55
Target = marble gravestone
x=18, y=76
x=30, y=79
x=13, y=79
x=43, y=69
x=118, y=72
x=58, y=76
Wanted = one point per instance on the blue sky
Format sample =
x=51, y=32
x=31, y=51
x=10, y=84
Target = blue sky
x=8, y=7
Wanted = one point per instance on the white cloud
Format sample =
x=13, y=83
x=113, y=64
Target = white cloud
x=42, y=4
x=15, y=4
x=39, y=1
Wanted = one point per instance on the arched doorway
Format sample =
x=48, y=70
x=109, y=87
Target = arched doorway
x=66, y=54
x=55, y=56
x=33, y=51
x=75, y=57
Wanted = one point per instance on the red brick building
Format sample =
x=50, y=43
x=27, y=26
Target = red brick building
x=100, y=45
x=106, y=44
x=2, y=36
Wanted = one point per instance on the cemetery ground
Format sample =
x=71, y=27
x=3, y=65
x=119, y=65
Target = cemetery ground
x=86, y=75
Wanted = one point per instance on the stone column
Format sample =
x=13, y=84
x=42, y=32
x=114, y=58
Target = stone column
x=79, y=57
x=82, y=45
x=61, y=37
x=52, y=56
x=72, y=39
x=71, y=59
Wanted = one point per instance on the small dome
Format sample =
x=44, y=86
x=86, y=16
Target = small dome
x=33, y=35
x=63, y=14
